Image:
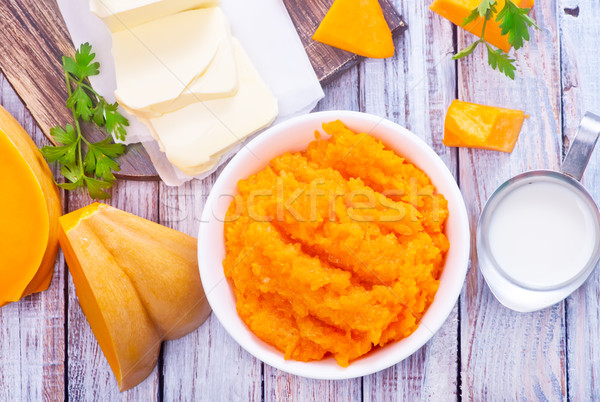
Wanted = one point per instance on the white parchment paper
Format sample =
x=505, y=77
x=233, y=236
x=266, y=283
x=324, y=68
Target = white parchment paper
x=265, y=30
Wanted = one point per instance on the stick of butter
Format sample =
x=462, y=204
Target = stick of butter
x=126, y=14
x=195, y=137
x=168, y=63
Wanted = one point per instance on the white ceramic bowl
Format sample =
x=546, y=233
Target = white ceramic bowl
x=294, y=135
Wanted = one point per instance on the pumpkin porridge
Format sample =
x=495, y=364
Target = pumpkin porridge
x=337, y=249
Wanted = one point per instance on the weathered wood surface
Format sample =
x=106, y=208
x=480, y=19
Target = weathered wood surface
x=580, y=93
x=483, y=352
x=88, y=373
x=328, y=61
x=505, y=353
x=32, y=332
x=33, y=39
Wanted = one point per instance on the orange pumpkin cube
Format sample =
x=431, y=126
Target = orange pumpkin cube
x=478, y=126
x=357, y=26
x=457, y=10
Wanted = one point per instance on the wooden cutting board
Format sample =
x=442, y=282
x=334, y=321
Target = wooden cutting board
x=328, y=61
x=33, y=39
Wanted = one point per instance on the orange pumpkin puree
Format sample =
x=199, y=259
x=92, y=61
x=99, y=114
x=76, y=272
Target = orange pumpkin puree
x=335, y=250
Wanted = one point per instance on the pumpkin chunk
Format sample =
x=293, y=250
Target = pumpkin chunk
x=357, y=26
x=457, y=10
x=29, y=211
x=478, y=126
x=137, y=282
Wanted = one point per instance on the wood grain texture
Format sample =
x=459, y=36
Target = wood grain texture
x=33, y=39
x=581, y=93
x=207, y=364
x=553, y=354
x=328, y=61
x=32, y=336
x=423, y=76
x=505, y=354
x=90, y=376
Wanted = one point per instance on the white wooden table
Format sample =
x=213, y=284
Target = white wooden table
x=483, y=352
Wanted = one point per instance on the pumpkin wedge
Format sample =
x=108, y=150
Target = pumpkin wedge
x=357, y=26
x=137, y=282
x=480, y=126
x=29, y=212
x=457, y=10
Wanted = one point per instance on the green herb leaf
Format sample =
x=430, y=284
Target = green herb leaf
x=96, y=188
x=515, y=23
x=472, y=17
x=83, y=66
x=71, y=186
x=513, y=20
x=72, y=173
x=485, y=9
x=99, y=159
x=61, y=153
x=81, y=103
x=466, y=51
x=116, y=123
x=108, y=148
x=486, y=6
x=99, y=114
x=67, y=136
x=86, y=164
x=497, y=59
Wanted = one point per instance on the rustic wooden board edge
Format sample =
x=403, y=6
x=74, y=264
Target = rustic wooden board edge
x=32, y=65
x=33, y=39
x=327, y=61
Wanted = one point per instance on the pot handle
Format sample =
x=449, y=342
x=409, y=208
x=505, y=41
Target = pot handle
x=582, y=147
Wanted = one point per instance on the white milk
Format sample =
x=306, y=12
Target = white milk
x=542, y=234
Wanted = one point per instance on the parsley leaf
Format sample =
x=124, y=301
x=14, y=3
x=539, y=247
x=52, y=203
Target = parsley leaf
x=466, y=51
x=116, y=123
x=99, y=159
x=502, y=61
x=83, y=65
x=96, y=188
x=86, y=164
x=67, y=136
x=513, y=21
x=81, y=103
x=486, y=6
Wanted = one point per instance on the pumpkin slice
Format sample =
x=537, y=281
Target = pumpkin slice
x=478, y=126
x=357, y=26
x=457, y=10
x=137, y=282
x=29, y=212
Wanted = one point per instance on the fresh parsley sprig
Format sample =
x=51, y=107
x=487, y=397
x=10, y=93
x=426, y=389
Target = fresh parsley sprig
x=513, y=20
x=84, y=163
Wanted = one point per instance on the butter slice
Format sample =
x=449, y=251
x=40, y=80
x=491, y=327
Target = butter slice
x=195, y=137
x=166, y=64
x=126, y=14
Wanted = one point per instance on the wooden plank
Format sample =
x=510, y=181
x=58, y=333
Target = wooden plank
x=414, y=89
x=90, y=377
x=504, y=353
x=32, y=331
x=206, y=364
x=328, y=61
x=581, y=93
x=342, y=93
x=33, y=64
x=33, y=39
